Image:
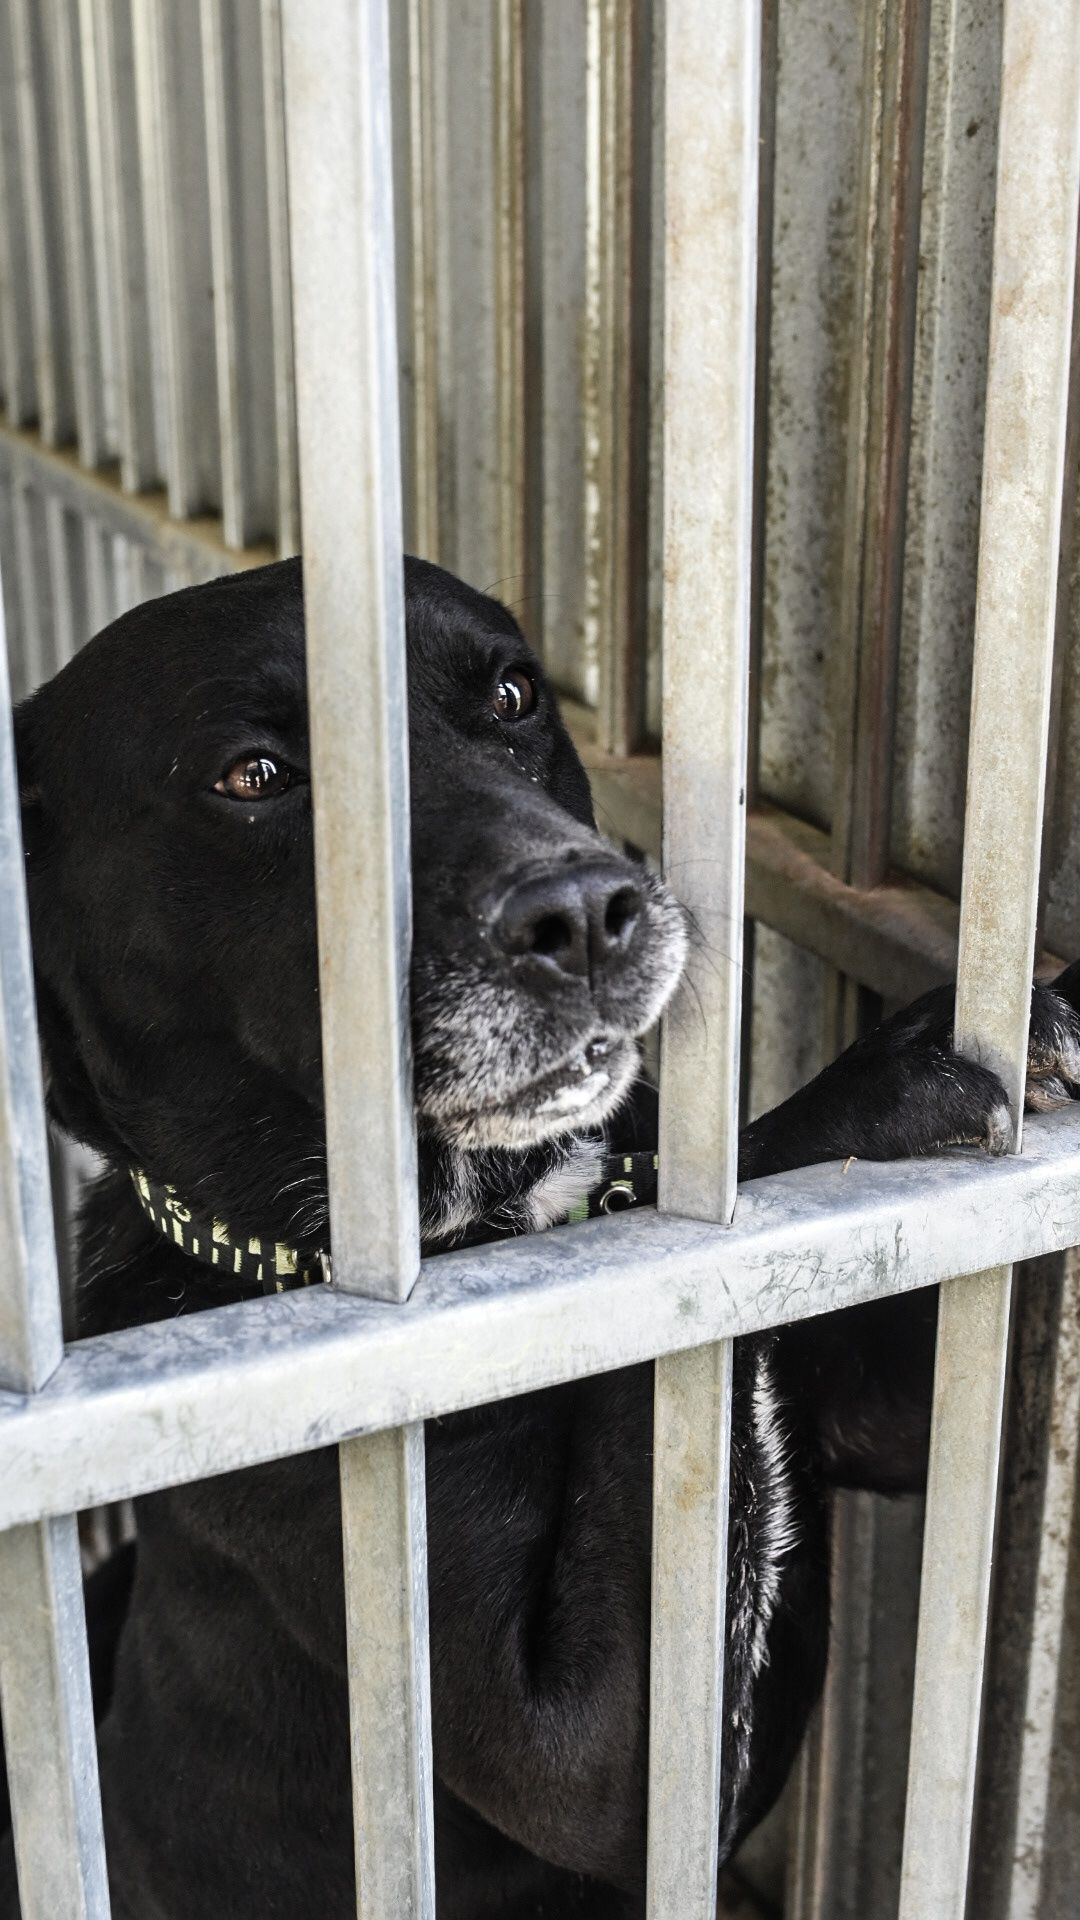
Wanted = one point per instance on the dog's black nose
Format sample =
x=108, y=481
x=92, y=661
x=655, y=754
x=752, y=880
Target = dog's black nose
x=577, y=918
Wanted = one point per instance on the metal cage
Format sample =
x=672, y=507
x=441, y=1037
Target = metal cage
x=731, y=342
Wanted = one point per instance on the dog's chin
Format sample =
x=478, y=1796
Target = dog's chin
x=580, y=1093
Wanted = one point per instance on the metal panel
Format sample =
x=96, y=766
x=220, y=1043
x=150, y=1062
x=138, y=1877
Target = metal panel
x=711, y=109
x=617, y=366
x=556, y=217
x=175, y=208
x=1026, y=1853
x=44, y=1671
x=277, y=192
x=1027, y=395
x=205, y=1393
x=239, y=236
x=67, y=134
x=344, y=303
x=818, y=134
x=16, y=318
x=385, y=1537
x=120, y=244
x=41, y=213
x=942, y=528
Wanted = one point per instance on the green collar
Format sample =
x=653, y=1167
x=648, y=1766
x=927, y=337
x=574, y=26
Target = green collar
x=627, y=1180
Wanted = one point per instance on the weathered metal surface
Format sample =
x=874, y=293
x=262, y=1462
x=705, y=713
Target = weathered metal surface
x=711, y=82
x=121, y=266
x=1026, y=1853
x=813, y=258
x=236, y=140
x=691, y=1469
x=16, y=319
x=337, y=119
x=41, y=215
x=617, y=365
x=866, y=647
x=209, y=1392
x=277, y=243
x=176, y=225
x=49, y=1725
x=845, y=1860
x=67, y=136
x=1027, y=393
x=30, y=1334
x=385, y=1542
x=337, y=116
x=44, y=1674
x=942, y=520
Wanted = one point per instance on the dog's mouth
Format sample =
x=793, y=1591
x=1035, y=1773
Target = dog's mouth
x=578, y=1093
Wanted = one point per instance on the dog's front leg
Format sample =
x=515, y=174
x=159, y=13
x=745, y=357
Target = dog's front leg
x=865, y=1376
x=538, y=1540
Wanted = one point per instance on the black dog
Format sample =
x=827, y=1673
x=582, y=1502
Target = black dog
x=168, y=832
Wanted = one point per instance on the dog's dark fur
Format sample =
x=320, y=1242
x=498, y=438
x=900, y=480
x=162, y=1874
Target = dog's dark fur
x=174, y=934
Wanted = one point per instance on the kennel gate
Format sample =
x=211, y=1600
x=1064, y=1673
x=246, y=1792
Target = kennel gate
x=356, y=1364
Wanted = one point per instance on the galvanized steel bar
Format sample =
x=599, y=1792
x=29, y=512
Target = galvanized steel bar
x=423, y=279
x=385, y=1538
x=49, y=1725
x=67, y=134
x=337, y=96
x=617, y=370
x=176, y=225
x=509, y=185
x=277, y=193
x=120, y=247
x=30, y=1332
x=239, y=244
x=196, y=1396
x=48, y=307
x=17, y=376
x=1027, y=400
x=711, y=109
x=343, y=293
x=44, y=1672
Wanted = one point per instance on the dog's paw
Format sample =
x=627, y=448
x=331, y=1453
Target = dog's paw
x=1053, y=1062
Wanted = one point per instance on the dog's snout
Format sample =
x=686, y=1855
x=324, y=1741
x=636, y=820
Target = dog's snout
x=577, y=918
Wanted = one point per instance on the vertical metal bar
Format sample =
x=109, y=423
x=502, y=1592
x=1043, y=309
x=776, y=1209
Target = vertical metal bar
x=51, y=341
x=277, y=194
x=509, y=185
x=385, y=1537
x=424, y=280
x=175, y=205
x=711, y=113
x=343, y=286
x=44, y=1670
x=236, y=150
x=1027, y=395
x=97, y=221
x=68, y=137
x=339, y=151
x=123, y=245
x=16, y=319
x=616, y=382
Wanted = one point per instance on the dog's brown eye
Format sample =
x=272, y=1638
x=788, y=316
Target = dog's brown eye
x=255, y=777
x=515, y=695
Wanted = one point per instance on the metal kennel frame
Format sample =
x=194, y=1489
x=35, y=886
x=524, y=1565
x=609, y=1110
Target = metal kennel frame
x=394, y=1341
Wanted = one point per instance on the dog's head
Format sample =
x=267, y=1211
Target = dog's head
x=168, y=825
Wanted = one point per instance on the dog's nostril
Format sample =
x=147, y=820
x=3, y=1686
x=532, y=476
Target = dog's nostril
x=621, y=915
x=552, y=935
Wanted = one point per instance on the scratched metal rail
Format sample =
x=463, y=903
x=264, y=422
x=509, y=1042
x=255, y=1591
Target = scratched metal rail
x=778, y=487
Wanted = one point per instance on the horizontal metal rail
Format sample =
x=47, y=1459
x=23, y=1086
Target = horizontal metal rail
x=256, y=1381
